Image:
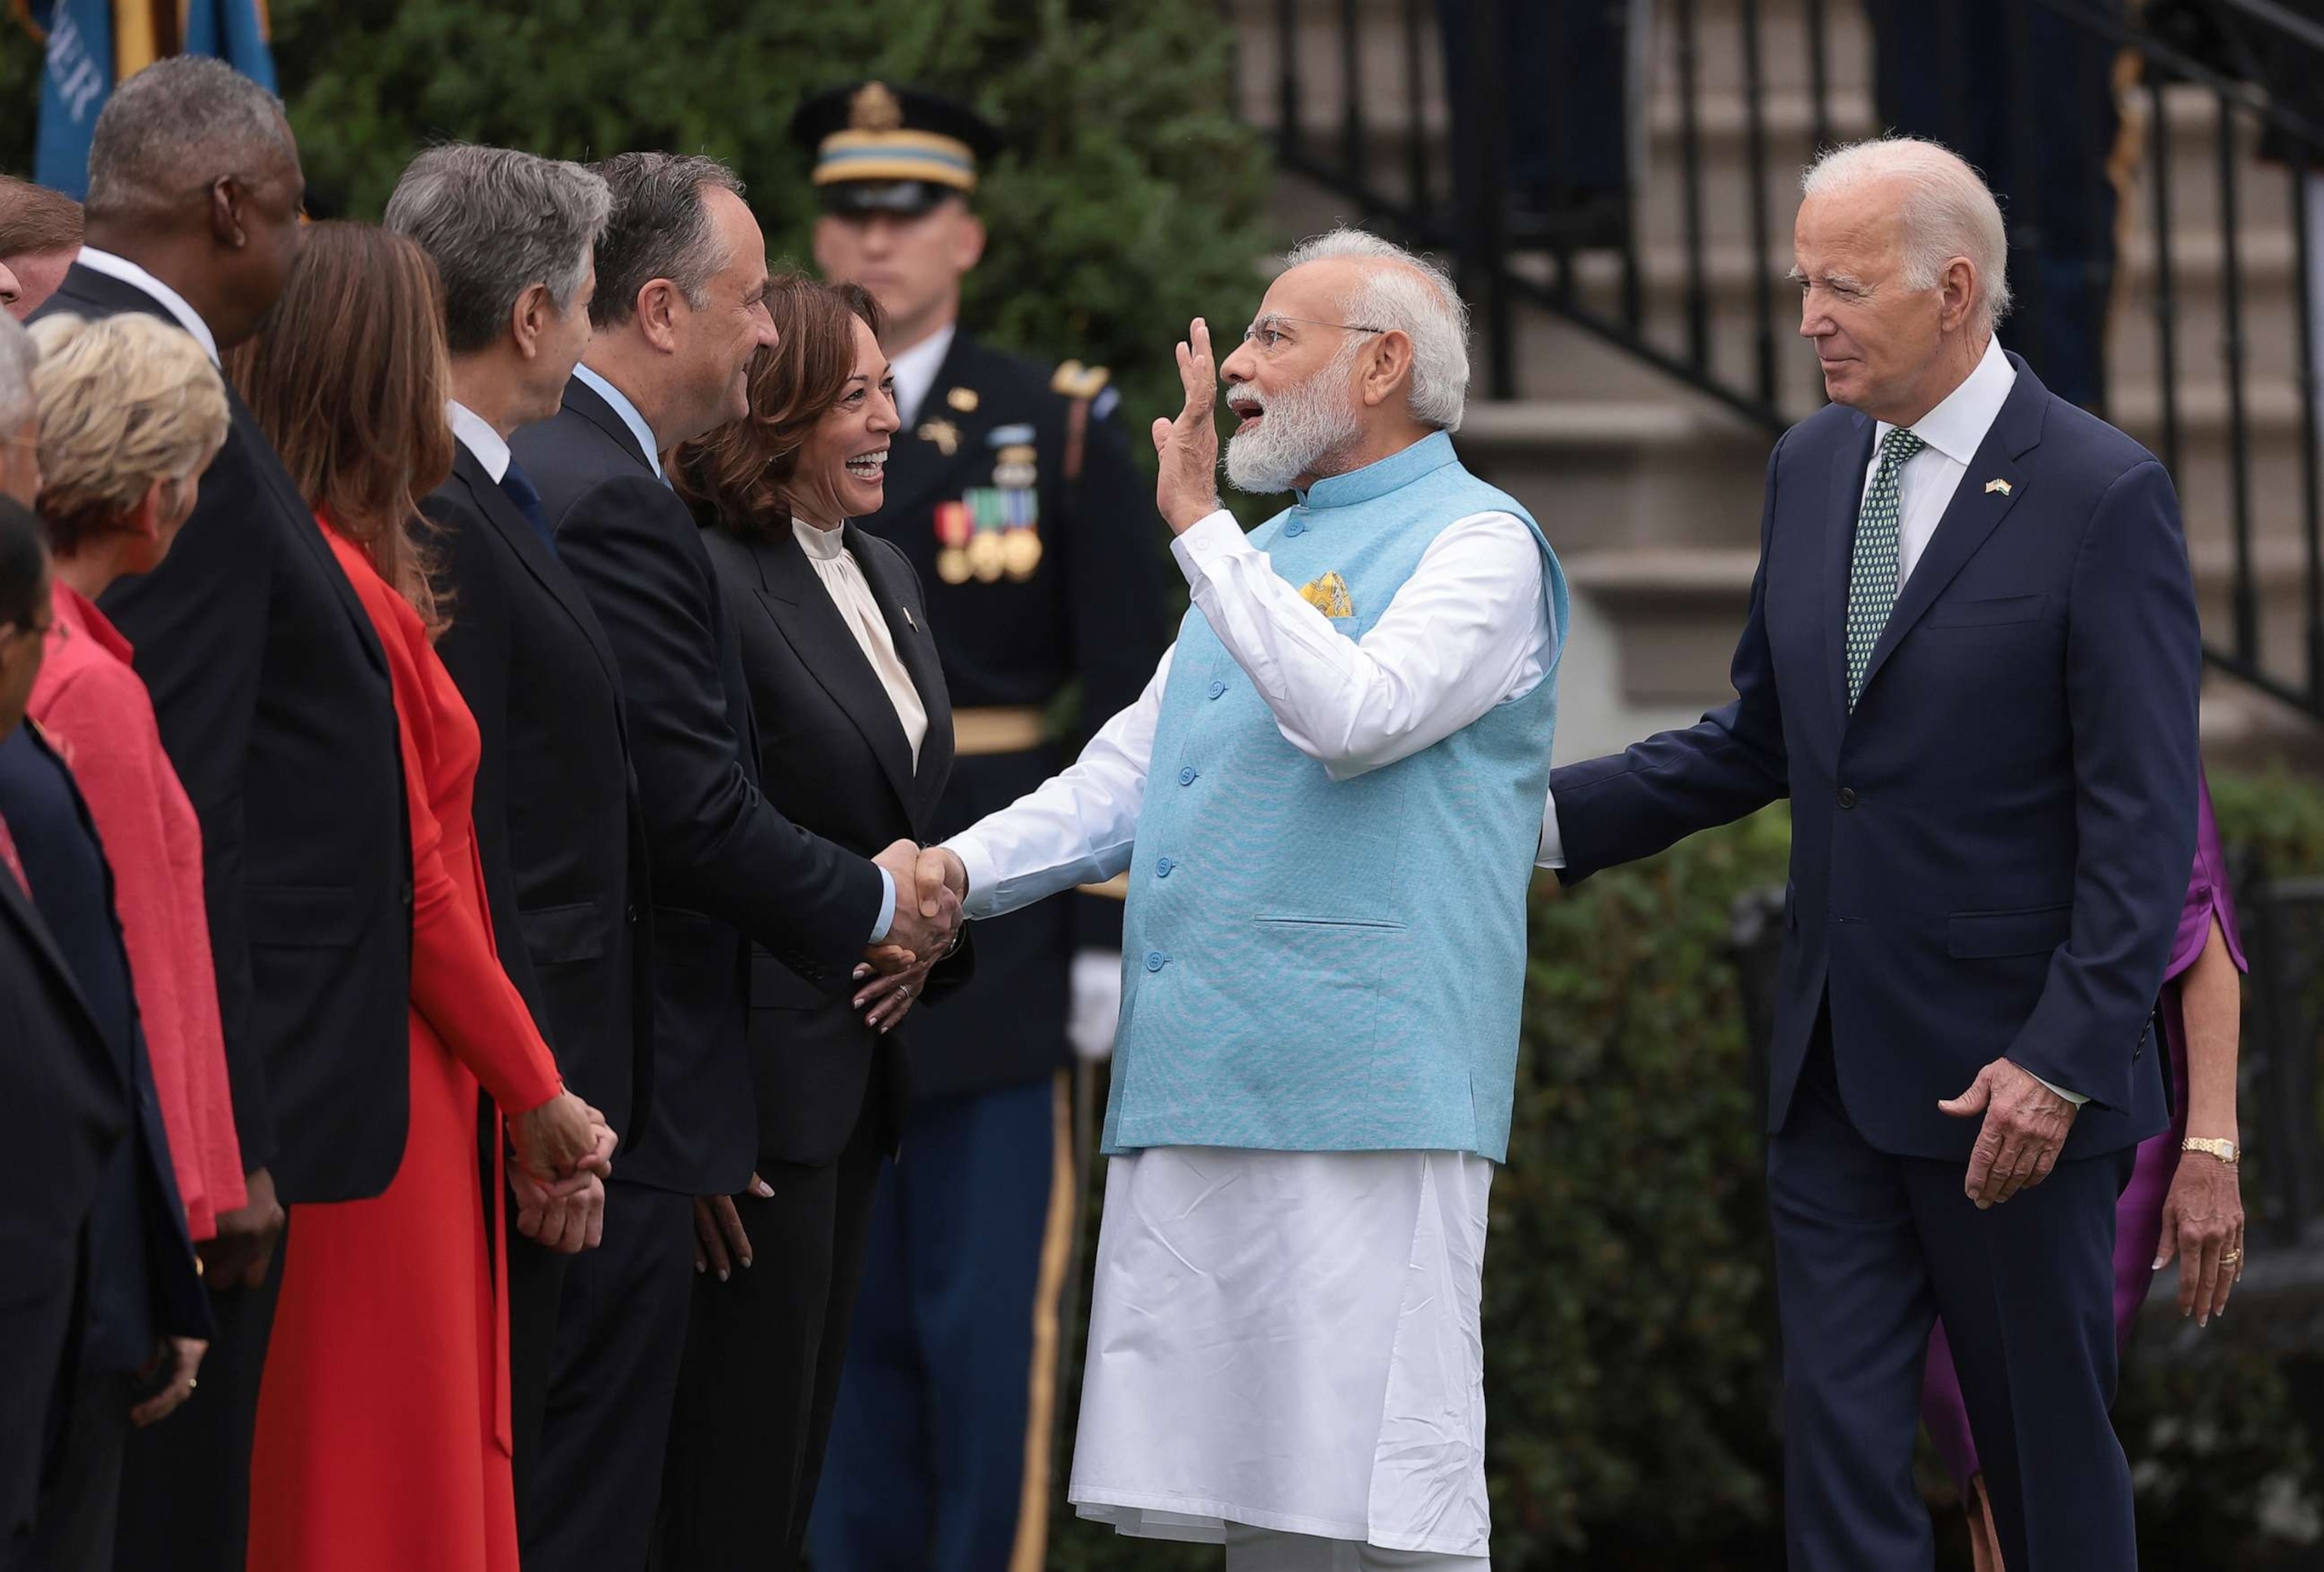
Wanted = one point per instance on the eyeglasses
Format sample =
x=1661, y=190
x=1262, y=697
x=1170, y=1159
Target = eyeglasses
x=1267, y=336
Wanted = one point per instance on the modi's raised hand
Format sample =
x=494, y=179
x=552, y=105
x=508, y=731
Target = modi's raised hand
x=1187, y=489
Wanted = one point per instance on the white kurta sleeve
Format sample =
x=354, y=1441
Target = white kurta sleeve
x=1467, y=630
x=1076, y=827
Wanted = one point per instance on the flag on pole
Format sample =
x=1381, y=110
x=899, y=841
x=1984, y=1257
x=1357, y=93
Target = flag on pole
x=93, y=44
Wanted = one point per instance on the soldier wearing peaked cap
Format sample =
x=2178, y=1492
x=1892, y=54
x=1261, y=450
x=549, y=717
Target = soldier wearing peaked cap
x=1013, y=493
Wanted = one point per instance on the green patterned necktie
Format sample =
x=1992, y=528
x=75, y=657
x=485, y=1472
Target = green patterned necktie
x=1872, y=573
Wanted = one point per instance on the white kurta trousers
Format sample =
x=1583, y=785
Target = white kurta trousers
x=1286, y=1344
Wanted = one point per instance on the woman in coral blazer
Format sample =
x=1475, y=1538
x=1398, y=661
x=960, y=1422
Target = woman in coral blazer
x=130, y=413
x=384, y=1432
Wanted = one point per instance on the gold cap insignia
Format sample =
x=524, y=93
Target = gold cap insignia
x=1997, y=483
x=873, y=108
x=1076, y=381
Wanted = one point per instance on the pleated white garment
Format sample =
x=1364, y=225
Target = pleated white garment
x=1289, y=1340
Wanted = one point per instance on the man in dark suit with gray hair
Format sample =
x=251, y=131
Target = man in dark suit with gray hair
x=557, y=825
x=1970, y=663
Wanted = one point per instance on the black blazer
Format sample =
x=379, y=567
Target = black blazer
x=726, y=862
x=273, y=699
x=832, y=755
x=64, y=1113
x=558, y=823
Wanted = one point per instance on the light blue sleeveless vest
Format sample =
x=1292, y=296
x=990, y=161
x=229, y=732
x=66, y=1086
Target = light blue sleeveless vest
x=1313, y=965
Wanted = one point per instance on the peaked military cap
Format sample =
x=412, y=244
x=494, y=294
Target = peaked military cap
x=882, y=149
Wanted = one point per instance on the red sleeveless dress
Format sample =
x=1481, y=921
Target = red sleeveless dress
x=383, y=1420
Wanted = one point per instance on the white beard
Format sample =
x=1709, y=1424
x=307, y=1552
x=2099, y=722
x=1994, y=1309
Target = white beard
x=1302, y=429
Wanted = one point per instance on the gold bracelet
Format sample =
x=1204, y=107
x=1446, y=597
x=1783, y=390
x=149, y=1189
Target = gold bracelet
x=2227, y=1152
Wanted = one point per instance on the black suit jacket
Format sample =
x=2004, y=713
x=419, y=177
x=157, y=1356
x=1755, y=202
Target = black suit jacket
x=832, y=755
x=275, y=705
x=64, y=1113
x=728, y=867
x=1093, y=612
x=559, y=827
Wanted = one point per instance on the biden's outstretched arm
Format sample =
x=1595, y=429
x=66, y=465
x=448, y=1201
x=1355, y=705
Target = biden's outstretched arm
x=1632, y=804
x=2134, y=663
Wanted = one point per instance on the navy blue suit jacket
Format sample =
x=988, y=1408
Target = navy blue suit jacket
x=728, y=868
x=1989, y=855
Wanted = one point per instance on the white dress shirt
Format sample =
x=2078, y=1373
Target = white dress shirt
x=914, y=371
x=168, y=298
x=851, y=592
x=1950, y=435
x=1468, y=630
x=477, y=436
x=635, y=422
x=1289, y=1339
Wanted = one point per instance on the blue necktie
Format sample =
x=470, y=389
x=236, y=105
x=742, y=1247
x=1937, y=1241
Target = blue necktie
x=519, y=489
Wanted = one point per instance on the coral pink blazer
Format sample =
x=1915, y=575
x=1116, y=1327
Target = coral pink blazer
x=98, y=715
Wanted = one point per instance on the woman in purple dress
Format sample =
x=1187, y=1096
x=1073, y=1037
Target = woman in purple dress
x=2190, y=1209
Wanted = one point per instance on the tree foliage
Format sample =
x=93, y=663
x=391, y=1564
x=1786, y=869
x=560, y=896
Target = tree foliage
x=1127, y=199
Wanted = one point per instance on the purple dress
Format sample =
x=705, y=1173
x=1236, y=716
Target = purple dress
x=2138, y=1215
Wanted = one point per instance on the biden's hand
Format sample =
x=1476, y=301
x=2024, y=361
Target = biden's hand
x=2025, y=1125
x=1186, y=488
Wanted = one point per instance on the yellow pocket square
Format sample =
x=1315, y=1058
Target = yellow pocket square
x=1328, y=594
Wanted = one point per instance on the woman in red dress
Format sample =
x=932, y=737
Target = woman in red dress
x=383, y=1425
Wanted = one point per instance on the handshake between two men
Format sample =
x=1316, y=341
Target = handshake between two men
x=925, y=930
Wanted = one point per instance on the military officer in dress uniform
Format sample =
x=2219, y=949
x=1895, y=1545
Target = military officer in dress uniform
x=1013, y=493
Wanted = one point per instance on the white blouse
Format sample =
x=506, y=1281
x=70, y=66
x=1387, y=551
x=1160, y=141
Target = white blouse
x=851, y=592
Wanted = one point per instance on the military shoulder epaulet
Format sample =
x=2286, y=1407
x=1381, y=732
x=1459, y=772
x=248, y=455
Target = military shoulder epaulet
x=1076, y=381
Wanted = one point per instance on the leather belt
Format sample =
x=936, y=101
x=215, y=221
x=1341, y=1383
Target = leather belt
x=1014, y=729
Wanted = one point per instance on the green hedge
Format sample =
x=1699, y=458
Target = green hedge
x=1630, y=1355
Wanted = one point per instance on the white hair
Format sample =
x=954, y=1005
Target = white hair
x=1947, y=210
x=1416, y=298
x=18, y=357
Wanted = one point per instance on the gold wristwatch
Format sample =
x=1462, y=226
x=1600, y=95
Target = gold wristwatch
x=2227, y=1152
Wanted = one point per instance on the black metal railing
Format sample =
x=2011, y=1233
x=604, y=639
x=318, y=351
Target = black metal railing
x=1684, y=271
